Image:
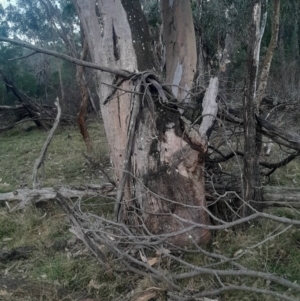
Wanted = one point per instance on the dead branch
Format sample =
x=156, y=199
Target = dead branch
x=31, y=111
x=65, y=57
x=225, y=157
x=227, y=288
x=16, y=107
x=134, y=249
x=269, y=130
x=87, y=241
x=27, y=197
x=41, y=158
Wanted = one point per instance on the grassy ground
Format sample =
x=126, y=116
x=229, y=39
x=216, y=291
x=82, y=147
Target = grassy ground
x=64, y=162
x=56, y=257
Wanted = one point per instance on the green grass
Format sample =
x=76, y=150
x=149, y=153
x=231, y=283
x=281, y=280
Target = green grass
x=53, y=259
x=58, y=258
x=279, y=255
x=64, y=163
x=287, y=176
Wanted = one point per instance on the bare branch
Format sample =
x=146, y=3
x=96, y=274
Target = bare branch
x=23, y=57
x=41, y=158
x=122, y=73
x=87, y=241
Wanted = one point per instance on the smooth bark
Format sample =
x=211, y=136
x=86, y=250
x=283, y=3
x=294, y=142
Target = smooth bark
x=181, y=50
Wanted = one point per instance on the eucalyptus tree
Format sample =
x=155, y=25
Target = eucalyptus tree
x=157, y=152
x=158, y=159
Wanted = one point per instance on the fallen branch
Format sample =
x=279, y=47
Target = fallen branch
x=281, y=196
x=16, y=107
x=275, y=133
x=41, y=158
x=27, y=197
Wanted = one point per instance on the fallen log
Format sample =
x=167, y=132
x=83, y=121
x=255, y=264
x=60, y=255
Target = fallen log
x=27, y=197
x=272, y=195
x=281, y=196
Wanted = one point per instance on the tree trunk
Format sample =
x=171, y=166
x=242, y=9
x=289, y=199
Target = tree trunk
x=157, y=157
x=84, y=101
x=251, y=175
x=181, y=50
x=269, y=55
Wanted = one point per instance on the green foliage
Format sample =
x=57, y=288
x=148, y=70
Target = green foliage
x=151, y=10
x=37, y=75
